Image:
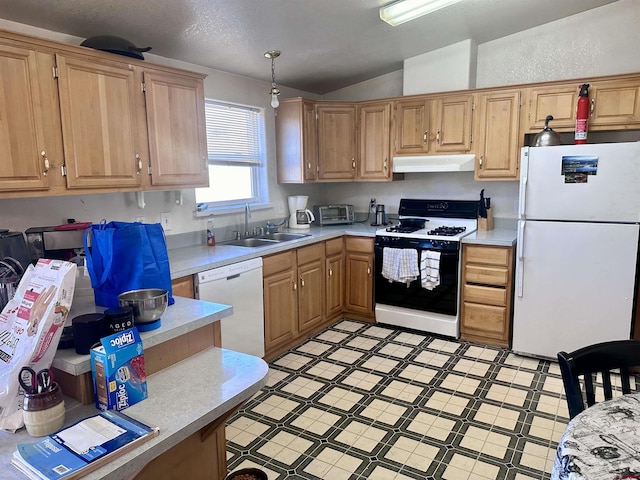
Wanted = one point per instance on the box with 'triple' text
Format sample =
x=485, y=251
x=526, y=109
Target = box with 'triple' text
x=117, y=367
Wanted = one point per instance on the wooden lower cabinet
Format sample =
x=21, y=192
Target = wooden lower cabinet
x=307, y=288
x=487, y=292
x=183, y=287
x=359, y=277
x=280, y=300
x=311, y=285
x=201, y=455
x=335, y=273
x=294, y=298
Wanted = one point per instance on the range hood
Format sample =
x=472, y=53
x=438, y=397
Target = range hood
x=434, y=163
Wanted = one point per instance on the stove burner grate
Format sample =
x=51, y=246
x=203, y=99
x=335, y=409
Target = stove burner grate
x=446, y=231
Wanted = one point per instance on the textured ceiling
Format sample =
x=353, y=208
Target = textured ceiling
x=326, y=44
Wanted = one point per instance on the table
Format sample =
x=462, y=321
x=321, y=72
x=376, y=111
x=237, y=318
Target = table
x=602, y=442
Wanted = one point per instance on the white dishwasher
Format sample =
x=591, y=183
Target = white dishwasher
x=238, y=285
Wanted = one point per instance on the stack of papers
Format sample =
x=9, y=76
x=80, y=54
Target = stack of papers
x=82, y=447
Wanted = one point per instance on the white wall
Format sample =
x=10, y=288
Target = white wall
x=19, y=214
x=445, y=186
x=448, y=68
x=384, y=86
x=602, y=41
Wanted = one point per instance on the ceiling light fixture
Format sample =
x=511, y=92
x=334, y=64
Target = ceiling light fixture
x=274, y=92
x=405, y=10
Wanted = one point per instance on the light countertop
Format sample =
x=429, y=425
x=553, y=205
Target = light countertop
x=503, y=237
x=198, y=258
x=184, y=316
x=224, y=379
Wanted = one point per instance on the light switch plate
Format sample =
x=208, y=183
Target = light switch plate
x=165, y=221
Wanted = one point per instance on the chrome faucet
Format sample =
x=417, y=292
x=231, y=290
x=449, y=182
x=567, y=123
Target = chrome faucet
x=247, y=216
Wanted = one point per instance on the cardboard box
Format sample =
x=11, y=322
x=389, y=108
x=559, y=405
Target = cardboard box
x=117, y=367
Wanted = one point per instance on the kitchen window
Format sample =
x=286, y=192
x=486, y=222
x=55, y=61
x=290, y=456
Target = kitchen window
x=237, y=158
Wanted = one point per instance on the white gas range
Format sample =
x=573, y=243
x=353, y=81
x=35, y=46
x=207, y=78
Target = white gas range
x=433, y=229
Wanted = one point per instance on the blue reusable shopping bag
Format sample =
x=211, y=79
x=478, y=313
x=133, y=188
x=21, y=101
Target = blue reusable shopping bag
x=126, y=256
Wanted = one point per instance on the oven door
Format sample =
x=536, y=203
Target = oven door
x=442, y=299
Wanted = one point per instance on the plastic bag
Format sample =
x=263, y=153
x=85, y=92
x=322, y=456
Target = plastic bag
x=30, y=328
x=126, y=256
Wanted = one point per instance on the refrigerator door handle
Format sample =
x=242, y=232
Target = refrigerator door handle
x=524, y=172
x=520, y=259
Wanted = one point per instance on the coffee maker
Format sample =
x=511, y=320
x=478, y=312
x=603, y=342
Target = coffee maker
x=299, y=215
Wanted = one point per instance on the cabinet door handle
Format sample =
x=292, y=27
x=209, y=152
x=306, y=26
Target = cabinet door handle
x=295, y=285
x=139, y=163
x=386, y=165
x=425, y=137
x=480, y=161
x=353, y=163
x=309, y=165
x=369, y=270
x=45, y=159
x=438, y=137
x=593, y=106
x=330, y=272
x=301, y=282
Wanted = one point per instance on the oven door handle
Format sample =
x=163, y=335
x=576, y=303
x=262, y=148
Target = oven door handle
x=520, y=259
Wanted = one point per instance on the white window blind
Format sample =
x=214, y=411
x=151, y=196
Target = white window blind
x=233, y=134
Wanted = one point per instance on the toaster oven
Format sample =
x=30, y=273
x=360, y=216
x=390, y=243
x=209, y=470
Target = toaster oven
x=333, y=214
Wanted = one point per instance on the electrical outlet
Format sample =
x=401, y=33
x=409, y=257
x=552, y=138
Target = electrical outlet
x=372, y=204
x=165, y=220
x=280, y=207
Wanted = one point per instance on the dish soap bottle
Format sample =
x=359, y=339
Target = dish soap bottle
x=211, y=236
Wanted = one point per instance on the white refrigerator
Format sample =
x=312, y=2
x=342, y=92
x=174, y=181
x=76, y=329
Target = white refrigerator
x=577, y=250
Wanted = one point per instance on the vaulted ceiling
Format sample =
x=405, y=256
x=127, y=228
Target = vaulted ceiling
x=325, y=44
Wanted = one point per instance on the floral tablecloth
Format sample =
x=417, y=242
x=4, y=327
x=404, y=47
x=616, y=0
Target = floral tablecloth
x=603, y=442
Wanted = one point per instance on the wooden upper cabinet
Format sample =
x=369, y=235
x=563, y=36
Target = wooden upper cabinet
x=297, y=141
x=74, y=120
x=310, y=141
x=23, y=148
x=454, y=116
x=99, y=130
x=498, y=136
x=434, y=125
x=558, y=100
x=411, y=127
x=374, y=125
x=336, y=141
x=615, y=103
x=176, y=129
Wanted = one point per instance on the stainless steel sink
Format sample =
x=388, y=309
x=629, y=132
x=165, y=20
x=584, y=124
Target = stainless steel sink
x=267, y=239
x=252, y=242
x=284, y=237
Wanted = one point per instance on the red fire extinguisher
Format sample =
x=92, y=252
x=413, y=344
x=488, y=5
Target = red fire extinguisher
x=582, y=114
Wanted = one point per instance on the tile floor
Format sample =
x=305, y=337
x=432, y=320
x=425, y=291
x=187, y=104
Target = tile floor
x=361, y=401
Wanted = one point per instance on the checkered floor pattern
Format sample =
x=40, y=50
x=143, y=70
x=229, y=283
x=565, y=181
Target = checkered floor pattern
x=361, y=401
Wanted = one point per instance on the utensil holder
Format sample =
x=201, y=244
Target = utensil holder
x=486, y=223
x=43, y=413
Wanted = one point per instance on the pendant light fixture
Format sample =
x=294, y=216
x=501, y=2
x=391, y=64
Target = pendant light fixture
x=274, y=92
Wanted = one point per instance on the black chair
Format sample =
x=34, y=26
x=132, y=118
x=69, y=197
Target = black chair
x=600, y=358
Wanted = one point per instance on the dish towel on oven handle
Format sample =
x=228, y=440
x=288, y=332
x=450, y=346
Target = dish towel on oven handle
x=429, y=269
x=400, y=264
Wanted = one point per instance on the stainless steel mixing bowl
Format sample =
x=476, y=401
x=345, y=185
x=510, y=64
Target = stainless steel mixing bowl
x=148, y=303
